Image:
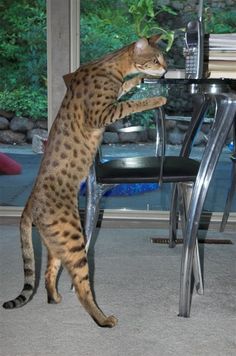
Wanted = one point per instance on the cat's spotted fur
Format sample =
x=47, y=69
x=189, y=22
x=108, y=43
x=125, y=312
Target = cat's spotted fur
x=91, y=103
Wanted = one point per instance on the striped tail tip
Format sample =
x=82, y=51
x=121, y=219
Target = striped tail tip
x=21, y=300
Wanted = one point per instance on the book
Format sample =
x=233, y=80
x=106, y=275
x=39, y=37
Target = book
x=220, y=55
x=222, y=65
x=217, y=55
x=221, y=74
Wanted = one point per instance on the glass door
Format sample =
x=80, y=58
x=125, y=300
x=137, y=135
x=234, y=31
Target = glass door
x=23, y=97
x=107, y=26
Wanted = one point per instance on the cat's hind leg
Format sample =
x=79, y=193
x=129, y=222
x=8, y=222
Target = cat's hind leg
x=77, y=265
x=51, y=274
x=65, y=241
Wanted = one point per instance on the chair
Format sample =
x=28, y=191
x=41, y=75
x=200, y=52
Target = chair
x=159, y=168
x=231, y=193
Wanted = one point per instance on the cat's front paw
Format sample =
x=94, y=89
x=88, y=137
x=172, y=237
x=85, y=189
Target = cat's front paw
x=163, y=100
x=160, y=100
x=141, y=78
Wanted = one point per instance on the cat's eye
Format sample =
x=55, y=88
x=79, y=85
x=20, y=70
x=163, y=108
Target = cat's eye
x=156, y=61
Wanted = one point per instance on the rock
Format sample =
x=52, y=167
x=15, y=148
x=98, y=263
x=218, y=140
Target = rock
x=4, y=123
x=21, y=124
x=175, y=137
x=170, y=124
x=10, y=137
x=152, y=134
x=116, y=126
x=127, y=137
x=182, y=126
x=41, y=124
x=133, y=137
x=39, y=132
x=177, y=5
x=110, y=137
x=7, y=114
x=39, y=144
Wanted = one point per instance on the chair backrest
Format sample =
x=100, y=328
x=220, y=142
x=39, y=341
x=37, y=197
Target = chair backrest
x=160, y=142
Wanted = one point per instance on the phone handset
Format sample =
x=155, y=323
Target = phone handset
x=194, y=50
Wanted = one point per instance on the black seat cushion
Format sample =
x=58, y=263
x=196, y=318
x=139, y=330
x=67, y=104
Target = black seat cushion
x=146, y=170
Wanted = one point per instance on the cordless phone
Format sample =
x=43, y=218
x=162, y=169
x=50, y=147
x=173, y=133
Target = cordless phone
x=193, y=51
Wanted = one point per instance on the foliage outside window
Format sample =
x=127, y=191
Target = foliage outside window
x=23, y=61
x=108, y=25
x=105, y=26
x=220, y=21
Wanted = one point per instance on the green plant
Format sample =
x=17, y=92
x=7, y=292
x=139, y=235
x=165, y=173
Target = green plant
x=25, y=102
x=145, y=20
x=108, y=25
x=23, y=62
x=101, y=35
x=104, y=28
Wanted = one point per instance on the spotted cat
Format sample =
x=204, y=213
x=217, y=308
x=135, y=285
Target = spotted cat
x=91, y=103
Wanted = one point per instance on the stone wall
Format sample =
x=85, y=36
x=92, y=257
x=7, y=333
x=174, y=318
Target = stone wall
x=19, y=130
x=175, y=132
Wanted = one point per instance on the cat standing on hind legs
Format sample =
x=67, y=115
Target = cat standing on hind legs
x=91, y=103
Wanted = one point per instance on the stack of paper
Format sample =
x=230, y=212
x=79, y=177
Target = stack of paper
x=220, y=55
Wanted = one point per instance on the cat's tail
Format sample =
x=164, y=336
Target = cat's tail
x=28, y=260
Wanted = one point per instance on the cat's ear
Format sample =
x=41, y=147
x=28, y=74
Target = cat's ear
x=154, y=39
x=140, y=45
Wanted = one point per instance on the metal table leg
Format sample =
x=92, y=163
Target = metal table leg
x=201, y=104
x=232, y=189
x=230, y=198
x=174, y=217
x=186, y=189
x=221, y=126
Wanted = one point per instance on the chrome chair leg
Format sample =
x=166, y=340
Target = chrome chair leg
x=185, y=193
x=201, y=104
x=230, y=197
x=221, y=126
x=94, y=193
x=93, y=196
x=197, y=271
x=174, y=217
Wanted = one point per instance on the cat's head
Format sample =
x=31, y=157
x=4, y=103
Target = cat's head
x=148, y=58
